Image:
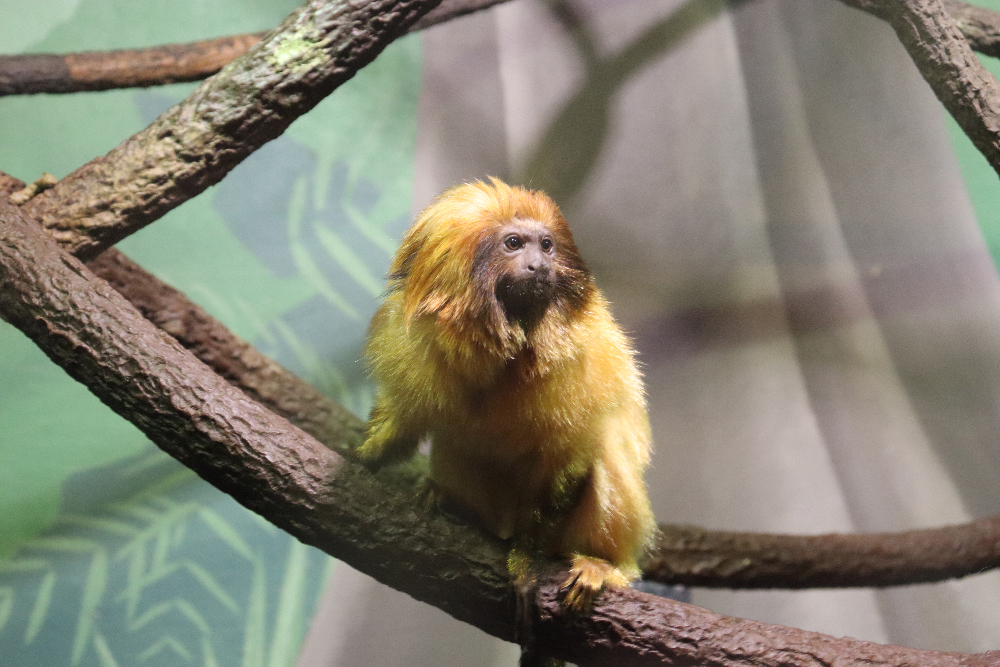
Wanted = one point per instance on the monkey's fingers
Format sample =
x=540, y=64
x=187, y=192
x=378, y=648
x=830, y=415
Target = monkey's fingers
x=587, y=576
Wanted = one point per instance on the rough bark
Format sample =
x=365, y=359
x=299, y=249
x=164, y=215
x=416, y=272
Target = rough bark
x=34, y=73
x=979, y=25
x=943, y=55
x=288, y=477
x=250, y=102
x=230, y=356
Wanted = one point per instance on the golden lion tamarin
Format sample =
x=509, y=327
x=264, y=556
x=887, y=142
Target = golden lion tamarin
x=494, y=342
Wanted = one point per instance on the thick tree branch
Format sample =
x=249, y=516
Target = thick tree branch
x=34, y=73
x=230, y=356
x=942, y=54
x=250, y=102
x=280, y=472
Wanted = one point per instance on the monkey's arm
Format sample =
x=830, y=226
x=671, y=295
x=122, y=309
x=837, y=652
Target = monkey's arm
x=612, y=524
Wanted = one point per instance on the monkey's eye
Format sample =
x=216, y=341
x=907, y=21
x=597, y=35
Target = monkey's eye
x=547, y=245
x=513, y=242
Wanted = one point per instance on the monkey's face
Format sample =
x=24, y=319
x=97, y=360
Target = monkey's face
x=526, y=254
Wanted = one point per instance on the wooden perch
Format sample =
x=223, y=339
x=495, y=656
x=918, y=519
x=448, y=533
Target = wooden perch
x=945, y=59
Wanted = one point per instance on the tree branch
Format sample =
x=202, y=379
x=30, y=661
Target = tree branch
x=236, y=360
x=280, y=472
x=942, y=54
x=980, y=26
x=698, y=557
x=33, y=73
x=194, y=144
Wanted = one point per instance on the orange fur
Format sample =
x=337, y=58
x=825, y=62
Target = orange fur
x=539, y=432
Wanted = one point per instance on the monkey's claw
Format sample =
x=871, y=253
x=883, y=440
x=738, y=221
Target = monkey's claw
x=587, y=577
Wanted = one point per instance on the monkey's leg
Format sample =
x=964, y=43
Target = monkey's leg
x=605, y=533
x=387, y=440
x=587, y=576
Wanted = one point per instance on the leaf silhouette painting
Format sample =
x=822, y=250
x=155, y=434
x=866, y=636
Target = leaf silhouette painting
x=325, y=205
x=149, y=565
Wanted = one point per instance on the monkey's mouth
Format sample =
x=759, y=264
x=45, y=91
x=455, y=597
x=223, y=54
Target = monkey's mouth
x=525, y=300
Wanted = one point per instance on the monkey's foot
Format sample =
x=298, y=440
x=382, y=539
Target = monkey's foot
x=587, y=576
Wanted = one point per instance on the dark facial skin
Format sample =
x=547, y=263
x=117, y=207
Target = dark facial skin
x=527, y=252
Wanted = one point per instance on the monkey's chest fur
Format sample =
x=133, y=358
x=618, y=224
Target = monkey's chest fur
x=513, y=452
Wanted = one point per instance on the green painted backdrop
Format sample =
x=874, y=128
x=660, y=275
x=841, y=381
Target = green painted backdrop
x=980, y=178
x=110, y=552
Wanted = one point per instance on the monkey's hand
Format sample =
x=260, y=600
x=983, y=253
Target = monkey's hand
x=385, y=441
x=587, y=576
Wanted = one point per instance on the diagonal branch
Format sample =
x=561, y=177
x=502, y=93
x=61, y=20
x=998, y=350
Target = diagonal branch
x=942, y=54
x=250, y=102
x=236, y=360
x=278, y=471
x=34, y=73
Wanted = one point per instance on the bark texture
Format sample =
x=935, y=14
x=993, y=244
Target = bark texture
x=34, y=73
x=250, y=102
x=231, y=357
x=979, y=25
x=946, y=61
